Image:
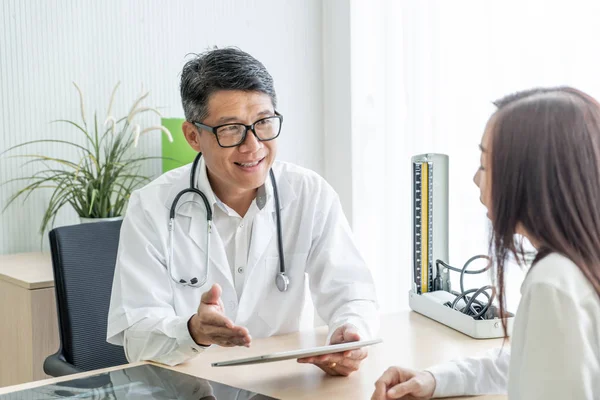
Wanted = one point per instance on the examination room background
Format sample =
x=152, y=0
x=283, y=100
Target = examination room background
x=363, y=86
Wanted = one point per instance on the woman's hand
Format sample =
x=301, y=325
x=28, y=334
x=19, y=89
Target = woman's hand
x=401, y=383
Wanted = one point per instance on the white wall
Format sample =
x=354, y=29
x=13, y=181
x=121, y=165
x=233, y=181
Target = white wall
x=423, y=75
x=45, y=45
x=337, y=98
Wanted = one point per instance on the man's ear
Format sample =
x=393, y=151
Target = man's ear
x=192, y=135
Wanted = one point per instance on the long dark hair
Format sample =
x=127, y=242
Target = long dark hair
x=545, y=177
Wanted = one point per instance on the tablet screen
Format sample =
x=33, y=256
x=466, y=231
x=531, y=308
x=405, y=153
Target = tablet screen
x=294, y=354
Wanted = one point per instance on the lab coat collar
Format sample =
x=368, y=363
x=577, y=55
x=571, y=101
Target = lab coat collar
x=265, y=223
x=191, y=212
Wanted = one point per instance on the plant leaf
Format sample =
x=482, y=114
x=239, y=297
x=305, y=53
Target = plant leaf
x=76, y=125
x=44, y=141
x=112, y=98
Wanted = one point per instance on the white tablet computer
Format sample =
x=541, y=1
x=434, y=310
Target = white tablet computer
x=288, y=355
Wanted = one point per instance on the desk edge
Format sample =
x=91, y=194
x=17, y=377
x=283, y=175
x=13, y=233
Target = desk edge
x=27, y=285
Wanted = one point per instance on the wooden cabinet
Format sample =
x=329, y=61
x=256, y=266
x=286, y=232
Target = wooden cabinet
x=28, y=322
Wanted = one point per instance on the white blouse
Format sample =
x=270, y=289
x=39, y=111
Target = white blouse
x=555, y=343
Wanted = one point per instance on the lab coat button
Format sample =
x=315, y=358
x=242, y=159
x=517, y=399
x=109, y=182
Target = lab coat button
x=232, y=305
x=240, y=270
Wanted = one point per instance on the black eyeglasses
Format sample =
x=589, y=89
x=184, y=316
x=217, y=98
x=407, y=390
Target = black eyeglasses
x=232, y=135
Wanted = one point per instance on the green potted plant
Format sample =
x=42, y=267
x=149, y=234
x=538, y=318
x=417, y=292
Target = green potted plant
x=97, y=184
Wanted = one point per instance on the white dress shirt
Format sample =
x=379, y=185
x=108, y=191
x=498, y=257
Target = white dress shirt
x=236, y=231
x=555, y=343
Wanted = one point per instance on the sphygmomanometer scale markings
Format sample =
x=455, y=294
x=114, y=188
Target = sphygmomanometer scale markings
x=430, y=261
x=423, y=212
x=424, y=226
x=417, y=222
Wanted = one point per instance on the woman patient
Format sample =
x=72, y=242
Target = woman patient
x=540, y=178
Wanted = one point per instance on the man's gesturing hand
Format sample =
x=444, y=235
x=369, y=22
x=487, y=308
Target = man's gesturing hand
x=210, y=325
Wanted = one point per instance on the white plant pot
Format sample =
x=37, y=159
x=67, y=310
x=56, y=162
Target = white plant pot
x=85, y=220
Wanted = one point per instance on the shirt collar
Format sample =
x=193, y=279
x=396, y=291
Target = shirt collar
x=263, y=194
x=179, y=180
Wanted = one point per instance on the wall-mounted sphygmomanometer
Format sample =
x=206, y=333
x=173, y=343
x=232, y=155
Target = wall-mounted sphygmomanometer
x=470, y=311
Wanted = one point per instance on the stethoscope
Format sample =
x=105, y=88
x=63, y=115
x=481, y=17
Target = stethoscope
x=282, y=281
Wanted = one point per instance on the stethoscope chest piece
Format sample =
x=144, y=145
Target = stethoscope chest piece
x=282, y=282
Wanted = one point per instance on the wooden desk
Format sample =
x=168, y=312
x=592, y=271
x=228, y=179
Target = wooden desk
x=409, y=339
x=29, y=328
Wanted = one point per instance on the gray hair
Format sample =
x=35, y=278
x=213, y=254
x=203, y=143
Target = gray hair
x=221, y=69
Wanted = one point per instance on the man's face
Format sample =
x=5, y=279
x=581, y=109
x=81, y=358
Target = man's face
x=244, y=167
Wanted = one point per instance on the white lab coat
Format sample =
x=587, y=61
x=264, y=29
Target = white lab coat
x=149, y=312
x=555, y=343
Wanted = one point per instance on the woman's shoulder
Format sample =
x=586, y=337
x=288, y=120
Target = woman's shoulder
x=560, y=273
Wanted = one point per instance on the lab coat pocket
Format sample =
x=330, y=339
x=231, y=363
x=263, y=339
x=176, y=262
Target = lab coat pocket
x=282, y=311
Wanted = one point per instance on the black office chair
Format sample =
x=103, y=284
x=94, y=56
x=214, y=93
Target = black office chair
x=83, y=259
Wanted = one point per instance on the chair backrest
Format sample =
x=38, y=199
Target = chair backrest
x=83, y=258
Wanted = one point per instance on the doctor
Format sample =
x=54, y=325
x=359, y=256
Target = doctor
x=268, y=229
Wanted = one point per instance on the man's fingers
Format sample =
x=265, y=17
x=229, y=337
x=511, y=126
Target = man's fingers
x=350, y=363
x=359, y=354
x=336, y=369
x=223, y=342
x=342, y=363
x=215, y=319
x=234, y=336
x=221, y=305
x=342, y=370
x=226, y=331
x=213, y=326
x=213, y=295
x=320, y=360
x=323, y=360
x=398, y=391
x=334, y=357
x=229, y=341
x=345, y=362
x=350, y=334
x=238, y=331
